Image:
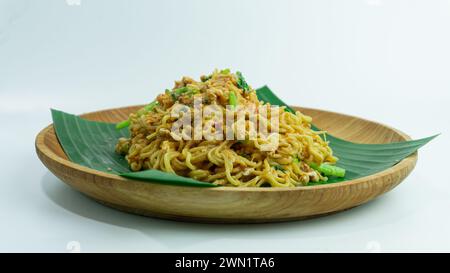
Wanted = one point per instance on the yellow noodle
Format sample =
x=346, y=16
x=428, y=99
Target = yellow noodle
x=236, y=163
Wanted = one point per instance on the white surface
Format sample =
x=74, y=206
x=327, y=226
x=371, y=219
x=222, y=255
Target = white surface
x=387, y=61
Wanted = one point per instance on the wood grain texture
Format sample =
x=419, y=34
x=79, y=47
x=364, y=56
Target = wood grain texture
x=226, y=204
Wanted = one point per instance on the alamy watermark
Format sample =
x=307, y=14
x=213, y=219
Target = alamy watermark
x=73, y=247
x=73, y=2
x=373, y=247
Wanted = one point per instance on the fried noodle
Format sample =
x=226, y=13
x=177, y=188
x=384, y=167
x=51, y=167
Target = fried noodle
x=238, y=163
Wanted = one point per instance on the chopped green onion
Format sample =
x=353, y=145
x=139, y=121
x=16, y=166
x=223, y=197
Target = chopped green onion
x=193, y=91
x=177, y=92
x=328, y=170
x=242, y=84
x=205, y=78
x=296, y=160
x=123, y=124
x=141, y=112
x=278, y=168
x=181, y=90
x=225, y=71
x=150, y=106
x=232, y=99
x=147, y=108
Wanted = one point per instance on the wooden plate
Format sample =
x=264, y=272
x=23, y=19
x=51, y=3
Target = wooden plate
x=226, y=204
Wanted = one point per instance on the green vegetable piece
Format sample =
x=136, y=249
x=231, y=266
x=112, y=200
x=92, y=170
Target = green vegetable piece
x=147, y=108
x=123, y=124
x=278, y=168
x=242, y=84
x=178, y=92
x=205, y=78
x=225, y=71
x=328, y=170
x=142, y=111
x=181, y=90
x=232, y=99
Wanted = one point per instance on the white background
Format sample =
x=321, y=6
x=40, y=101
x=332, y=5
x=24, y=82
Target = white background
x=387, y=61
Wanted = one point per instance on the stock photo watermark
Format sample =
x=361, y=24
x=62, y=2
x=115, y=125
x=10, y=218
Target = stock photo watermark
x=73, y=247
x=73, y=2
x=373, y=247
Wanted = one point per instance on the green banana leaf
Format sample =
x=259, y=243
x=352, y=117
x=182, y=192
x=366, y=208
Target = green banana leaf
x=92, y=144
x=358, y=160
